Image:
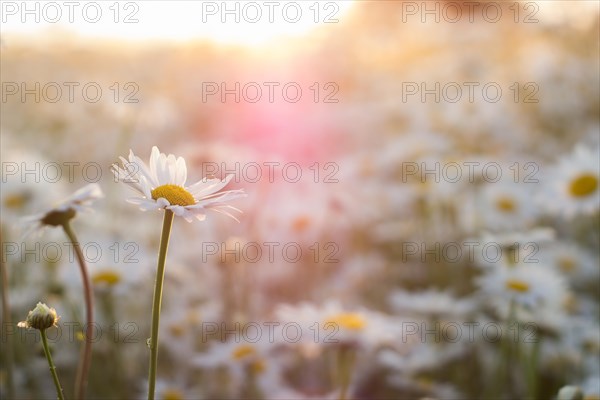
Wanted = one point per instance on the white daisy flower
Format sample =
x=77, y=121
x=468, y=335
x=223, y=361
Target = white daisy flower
x=507, y=205
x=331, y=323
x=161, y=185
x=506, y=249
x=575, y=189
x=62, y=212
x=243, y=360
x=509, y=239
x=528, y=285
x=572, y=261
x=431, y=303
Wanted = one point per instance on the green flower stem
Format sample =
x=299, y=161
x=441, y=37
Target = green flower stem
x=346, y=358
x=532, y=364
x=158, y=288
x=86, y=352
x=59, y=391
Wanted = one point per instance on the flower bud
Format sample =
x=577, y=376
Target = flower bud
x=570, y=393
x=41, y=317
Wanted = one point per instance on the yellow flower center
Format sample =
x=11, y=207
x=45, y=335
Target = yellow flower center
x=243, y=351
x=351, y=321
x=17, y=200
x=567, y=264
x=258, y=367
x=175, y=195
x=583, y=185
x=517, y=285
x=107, y=277
x=177, y=330
x=506, y=205
x=172, y=394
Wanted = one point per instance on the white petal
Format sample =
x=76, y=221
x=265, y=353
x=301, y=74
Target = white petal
x=162, y=202
x=154, y=156
x=180, y=172
x=208, y=186
x=177, y=210
x=162, y=170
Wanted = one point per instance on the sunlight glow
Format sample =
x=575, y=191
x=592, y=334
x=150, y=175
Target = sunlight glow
x=232, y=22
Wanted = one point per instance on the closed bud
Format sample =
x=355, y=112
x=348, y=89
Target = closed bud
x=570, y=393
x=41, y=317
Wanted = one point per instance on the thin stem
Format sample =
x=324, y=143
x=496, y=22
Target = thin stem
x=85, y=358
x=501, y=378
x=345, y=366
x=59, y=391
x=532, y=362
x=158, y=288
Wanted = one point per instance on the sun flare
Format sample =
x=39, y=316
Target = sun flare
x=232, y=22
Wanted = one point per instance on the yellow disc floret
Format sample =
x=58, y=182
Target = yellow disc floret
x=107, y=277
x=175, y=195
x=517, y=285
x=258, y=366
x=172, y=394
x=567, y=264
x=583, y=185
x=243, y=351
x=506, y=204
x=351, y=321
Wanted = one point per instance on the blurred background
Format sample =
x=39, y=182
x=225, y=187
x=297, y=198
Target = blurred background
x=422, y=205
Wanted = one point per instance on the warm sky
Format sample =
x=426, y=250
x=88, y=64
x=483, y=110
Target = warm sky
x=257, y=21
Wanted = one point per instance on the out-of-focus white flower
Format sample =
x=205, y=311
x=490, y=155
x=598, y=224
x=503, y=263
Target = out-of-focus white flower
x=333, y=324
x=573, y=185
x=176, y=388
x=244, y=359
x=536, y=235
x=81, y=200
x=424, y=357
x=507, y=205
x=506, y=249
x=528, y=285
x=431, y=304
x=161, y=185
x=23, y=190
x=573, y=262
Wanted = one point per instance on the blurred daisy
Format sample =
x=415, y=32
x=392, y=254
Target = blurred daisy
x=420, y=351
x=161, y=185
x=22, y=195
x=245, y=361
x=64, y=211
x=573, y=262
x=174, y=389
x=508, y=249
x=528, y=285
x=431, y=304
x=536, y=235
x=507, y=205
x=574, y=187
x=333, y=324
